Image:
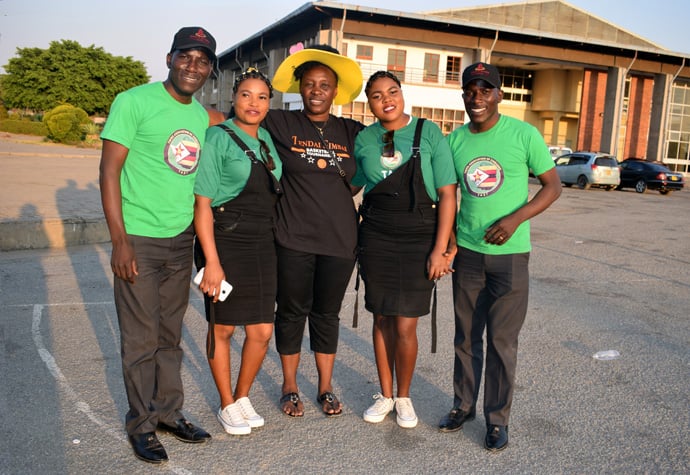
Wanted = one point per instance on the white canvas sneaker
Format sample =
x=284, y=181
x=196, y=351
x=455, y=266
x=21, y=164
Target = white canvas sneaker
x=253, y=419
x=232, y=421
x=378, y=411
x=406, y=416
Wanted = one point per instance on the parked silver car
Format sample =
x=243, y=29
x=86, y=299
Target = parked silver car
x=586, y=169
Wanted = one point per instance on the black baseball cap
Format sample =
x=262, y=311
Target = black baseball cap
x=483, y=71
x=192, y=37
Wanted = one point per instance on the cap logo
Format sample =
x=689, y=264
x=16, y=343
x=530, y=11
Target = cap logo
x=201, y=37
x=480, y=70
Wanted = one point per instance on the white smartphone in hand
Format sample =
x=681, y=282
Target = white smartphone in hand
x=225, y=287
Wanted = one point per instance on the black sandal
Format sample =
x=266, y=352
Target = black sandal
x=295, y=400
x=329, y=400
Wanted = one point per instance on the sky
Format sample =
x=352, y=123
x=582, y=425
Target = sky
x=143, y=29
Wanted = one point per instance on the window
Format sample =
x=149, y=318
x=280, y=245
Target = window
x=677, y=156
x=453, y=66
x=517, y=84
x=358, y=111
x=431, y=61
x=365, y=52
x=396, y=62
x=447, y=119
x=606, y=162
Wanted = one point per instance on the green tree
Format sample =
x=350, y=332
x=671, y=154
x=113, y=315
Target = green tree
x=89, y=78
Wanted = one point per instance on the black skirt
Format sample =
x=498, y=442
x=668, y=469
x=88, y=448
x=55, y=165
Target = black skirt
x=247, y=253
x=393, y=249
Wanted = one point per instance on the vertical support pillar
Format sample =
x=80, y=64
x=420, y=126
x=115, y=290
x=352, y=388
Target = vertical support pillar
x=612, y=110
x=657, y=125
x=555, y=129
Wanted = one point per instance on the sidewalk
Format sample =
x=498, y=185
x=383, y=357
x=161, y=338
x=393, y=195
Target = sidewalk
x=49, y=194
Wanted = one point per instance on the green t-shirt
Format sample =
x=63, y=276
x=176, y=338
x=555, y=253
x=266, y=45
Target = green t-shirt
x=493, y=172
x=164, y=138
x=225, y=168
x=436, y=158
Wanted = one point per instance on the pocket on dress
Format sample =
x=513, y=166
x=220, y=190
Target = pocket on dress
x=226, y=221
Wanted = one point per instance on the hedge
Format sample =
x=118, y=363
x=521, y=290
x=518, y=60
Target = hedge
x=23, y=127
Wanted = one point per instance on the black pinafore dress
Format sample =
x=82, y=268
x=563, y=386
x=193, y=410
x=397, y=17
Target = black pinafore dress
x=396, y=235
x=244, y=234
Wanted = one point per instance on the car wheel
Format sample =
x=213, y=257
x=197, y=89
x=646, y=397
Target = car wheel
x=582, y=182
x=641, y=186
x=665, y=192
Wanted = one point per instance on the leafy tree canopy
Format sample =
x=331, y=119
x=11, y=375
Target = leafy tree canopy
x=66, y=72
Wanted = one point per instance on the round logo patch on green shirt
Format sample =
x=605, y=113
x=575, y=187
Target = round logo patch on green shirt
x=182, y=152
x=483, y=176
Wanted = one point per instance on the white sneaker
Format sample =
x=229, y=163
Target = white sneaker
x=248, y=412
x=232, y=421
x=380, y=409
x=406, y=416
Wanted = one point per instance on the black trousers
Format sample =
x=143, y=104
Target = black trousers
x=490, y=293
x=150, y=314
x=310, y=285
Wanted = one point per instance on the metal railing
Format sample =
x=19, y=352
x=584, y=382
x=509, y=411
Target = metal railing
x=414, y=75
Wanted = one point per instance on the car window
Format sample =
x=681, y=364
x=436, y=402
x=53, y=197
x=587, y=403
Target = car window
x=658, y=168
x=606, y=162
x=562, y=161
x=578, y=161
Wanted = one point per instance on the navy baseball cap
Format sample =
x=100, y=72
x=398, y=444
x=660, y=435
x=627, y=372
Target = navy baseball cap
x=193, y=37
x=483, y=71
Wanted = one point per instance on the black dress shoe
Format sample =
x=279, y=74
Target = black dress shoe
x=186, y=431
x=455, y=419
x=496, y=438
x=148, y=448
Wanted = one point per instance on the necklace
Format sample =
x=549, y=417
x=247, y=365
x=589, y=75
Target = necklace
x=323, y=125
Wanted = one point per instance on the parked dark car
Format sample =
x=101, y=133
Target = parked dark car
x=645, y=175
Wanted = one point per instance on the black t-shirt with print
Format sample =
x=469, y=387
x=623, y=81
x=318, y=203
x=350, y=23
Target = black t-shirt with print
x=316, y=213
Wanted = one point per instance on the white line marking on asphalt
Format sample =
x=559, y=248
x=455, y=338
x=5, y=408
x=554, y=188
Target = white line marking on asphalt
x=54, y=369
x=63, y=383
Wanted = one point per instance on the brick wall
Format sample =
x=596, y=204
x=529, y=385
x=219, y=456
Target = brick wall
x=639, y=116
x=592, y=111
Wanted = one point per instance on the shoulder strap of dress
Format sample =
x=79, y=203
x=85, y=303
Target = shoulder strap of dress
x=415, y=156
x=417, y=136
x=250, y=153
x=238, y=141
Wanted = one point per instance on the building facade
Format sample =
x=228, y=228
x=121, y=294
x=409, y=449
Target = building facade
x=583, y=82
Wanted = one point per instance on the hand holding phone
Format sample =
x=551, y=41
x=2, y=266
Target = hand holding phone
x=225, y=287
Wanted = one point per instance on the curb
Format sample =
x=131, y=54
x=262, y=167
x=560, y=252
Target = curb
x=52, y=233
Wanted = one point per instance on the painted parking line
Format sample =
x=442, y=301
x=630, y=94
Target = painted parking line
x=64, y=384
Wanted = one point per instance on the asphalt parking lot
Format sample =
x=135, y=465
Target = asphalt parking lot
x=609, y=271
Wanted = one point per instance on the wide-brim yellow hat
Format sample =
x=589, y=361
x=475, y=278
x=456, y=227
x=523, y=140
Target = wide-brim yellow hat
x=349, y=74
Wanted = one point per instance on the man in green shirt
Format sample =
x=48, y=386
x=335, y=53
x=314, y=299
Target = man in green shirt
x=493, y=155
x=151, y=146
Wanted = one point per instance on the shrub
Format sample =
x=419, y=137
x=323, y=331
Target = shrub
x=66, y=124
x=26, y=127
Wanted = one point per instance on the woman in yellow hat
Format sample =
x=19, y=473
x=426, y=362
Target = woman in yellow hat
x=316, y=232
